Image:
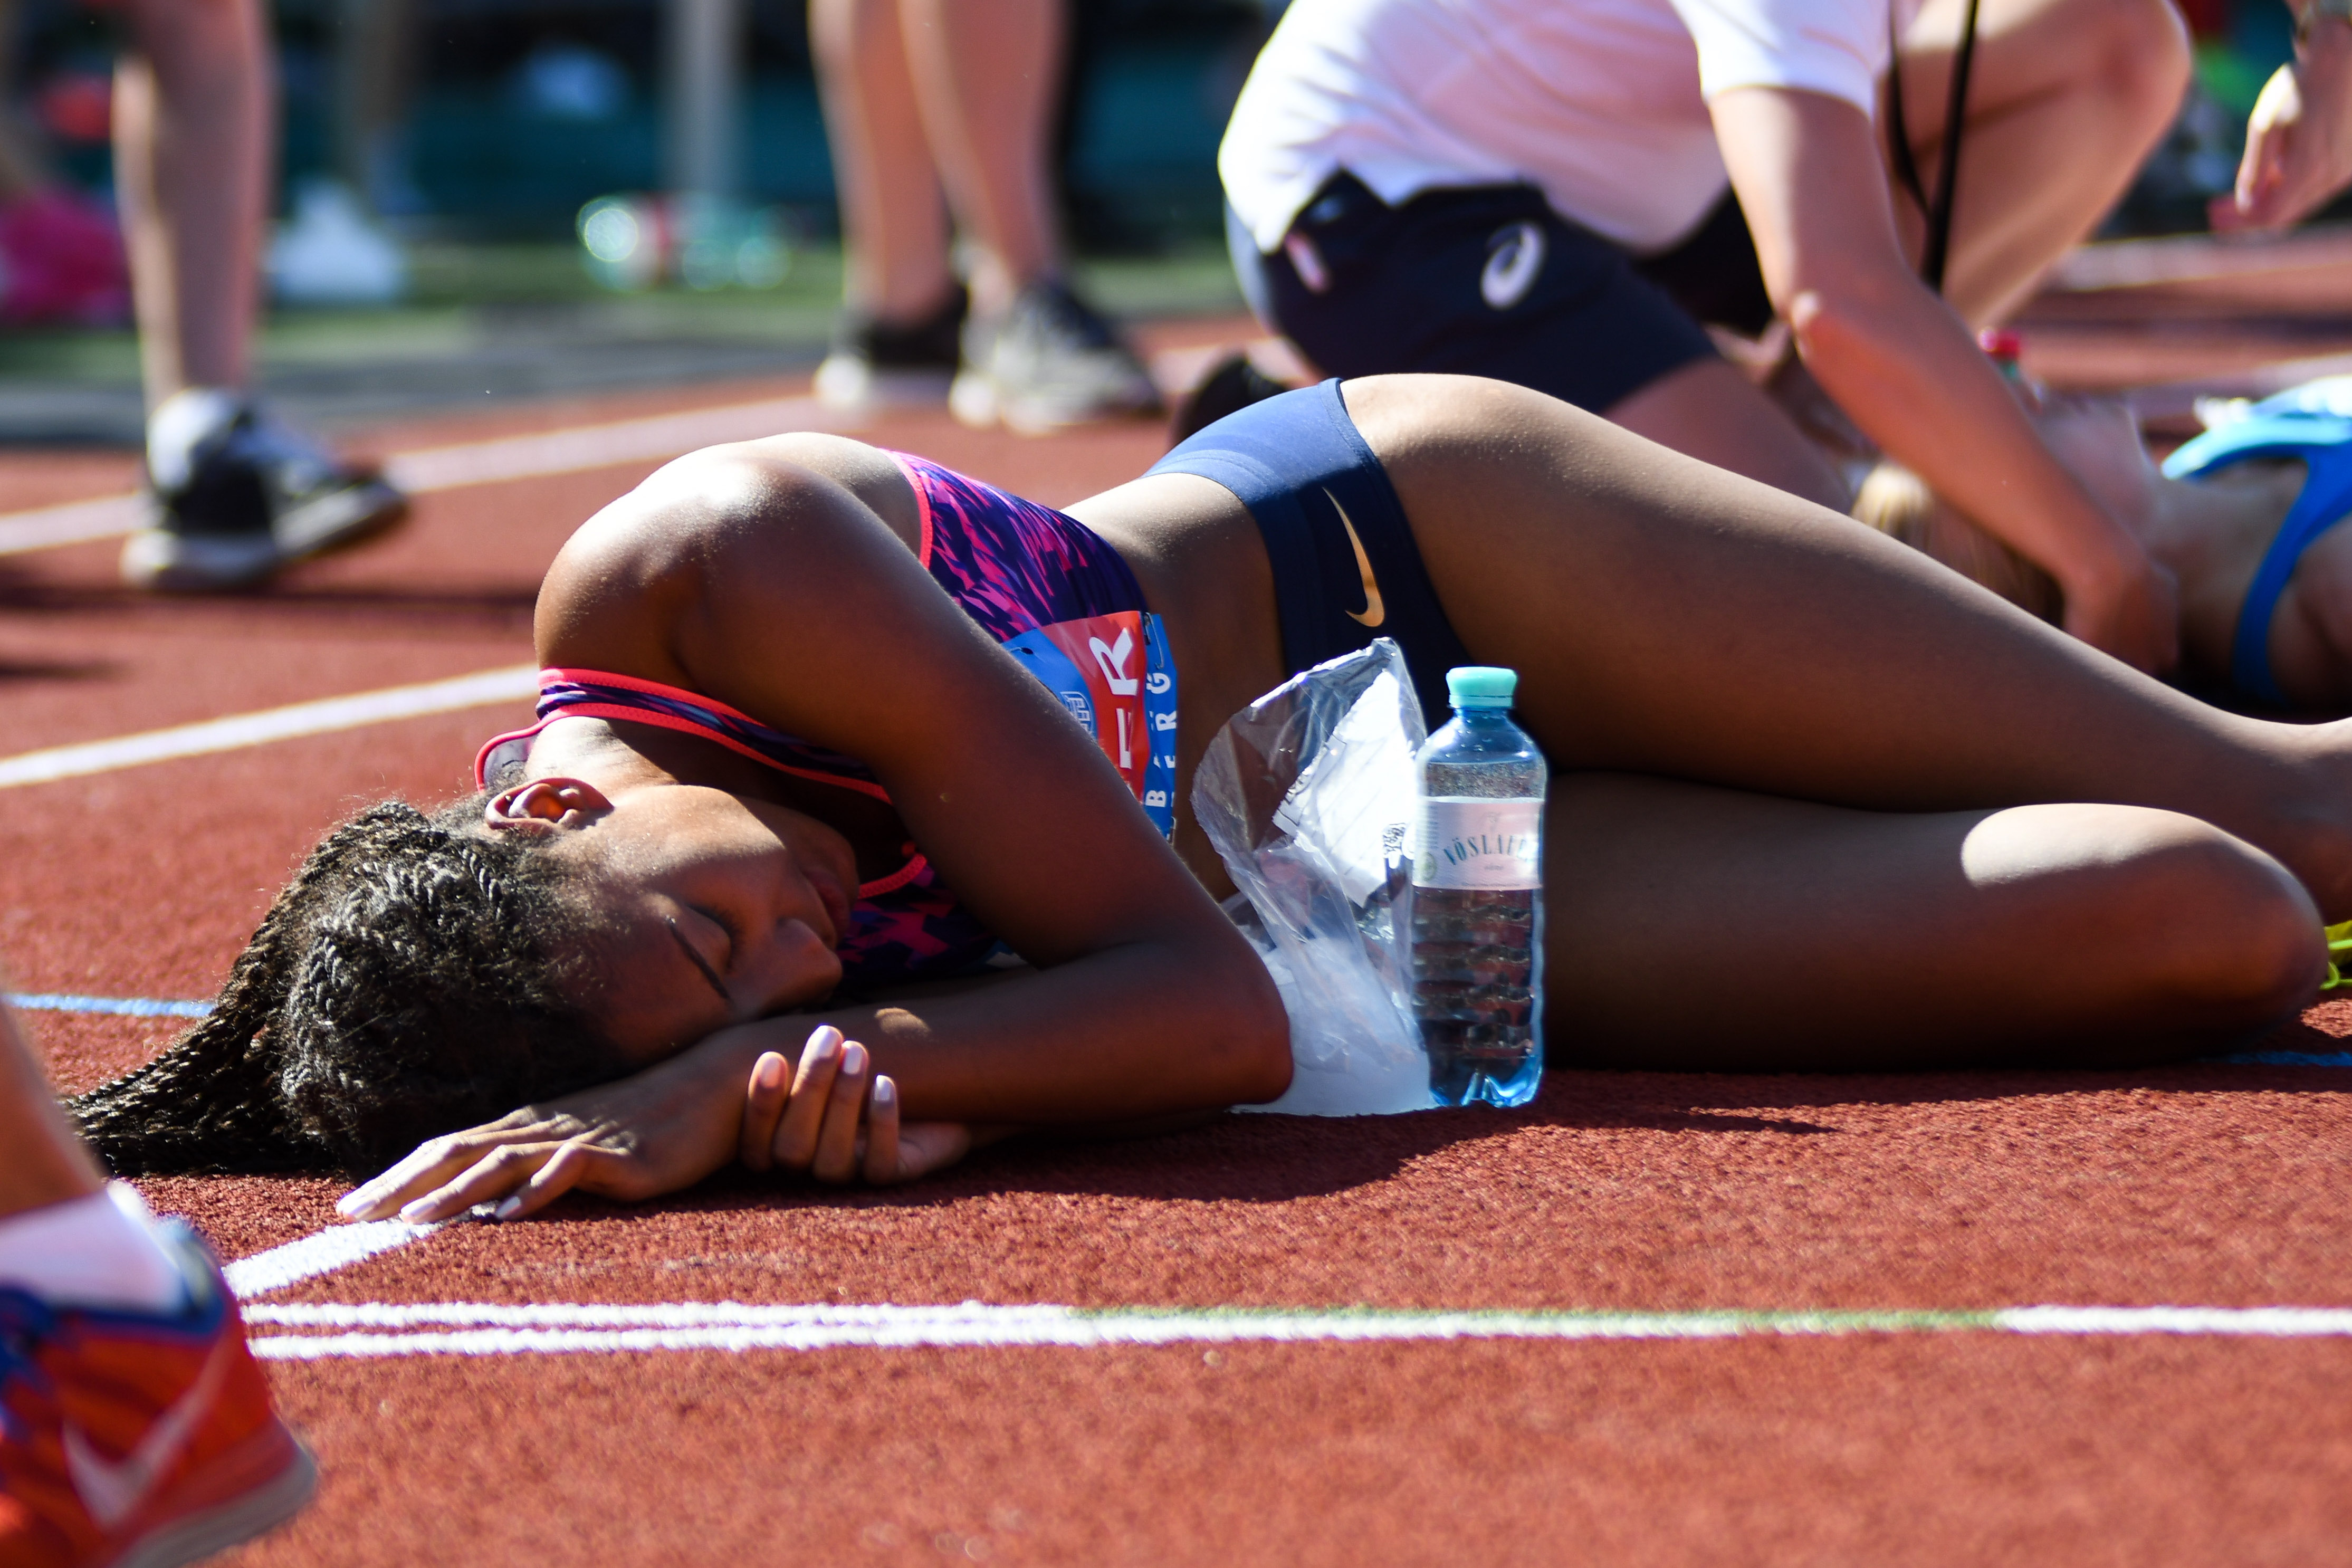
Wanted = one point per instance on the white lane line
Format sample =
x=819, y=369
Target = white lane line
x=121, y=1007
x=2259, y=1322
x=322, y=1252
x=45, y=528
x=481, y=1329
x=584, y=447
x=241, y=729
x=430, y=469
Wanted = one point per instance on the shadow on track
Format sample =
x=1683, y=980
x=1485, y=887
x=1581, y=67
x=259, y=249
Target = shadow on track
x=1272, y=1159
x=1256, y=1159
x=57, y=669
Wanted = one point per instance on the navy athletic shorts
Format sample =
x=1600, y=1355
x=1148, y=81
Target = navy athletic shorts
x=1345, y=569
x=1490, y=280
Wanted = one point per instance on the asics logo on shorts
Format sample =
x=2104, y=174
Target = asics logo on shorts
x=1308, y=261
x=1374, y=613
x=1515, y=255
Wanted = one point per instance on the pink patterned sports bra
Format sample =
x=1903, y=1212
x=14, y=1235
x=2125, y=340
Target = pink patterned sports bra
x=1056, y=596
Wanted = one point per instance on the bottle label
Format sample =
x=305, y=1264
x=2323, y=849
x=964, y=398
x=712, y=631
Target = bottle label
x=1477, y=842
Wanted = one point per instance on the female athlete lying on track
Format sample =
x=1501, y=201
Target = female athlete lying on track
x=2243, y=517
x=1818, y=804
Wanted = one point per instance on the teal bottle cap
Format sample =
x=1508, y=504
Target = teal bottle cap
x=1481, y=686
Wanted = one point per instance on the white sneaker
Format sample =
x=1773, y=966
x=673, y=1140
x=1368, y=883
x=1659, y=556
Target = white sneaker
x=1048, y=363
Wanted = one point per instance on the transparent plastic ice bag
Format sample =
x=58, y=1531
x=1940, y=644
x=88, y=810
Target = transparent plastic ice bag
x=1306, y=793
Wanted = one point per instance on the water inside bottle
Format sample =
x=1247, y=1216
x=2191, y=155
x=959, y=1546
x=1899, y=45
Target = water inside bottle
x=1476, y=949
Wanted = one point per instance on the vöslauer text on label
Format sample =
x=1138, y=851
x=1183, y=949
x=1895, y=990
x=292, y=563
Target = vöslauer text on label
x=1469, y=841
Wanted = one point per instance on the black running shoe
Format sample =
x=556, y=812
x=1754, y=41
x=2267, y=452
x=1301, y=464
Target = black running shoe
x=876, y=365
x=257, y=498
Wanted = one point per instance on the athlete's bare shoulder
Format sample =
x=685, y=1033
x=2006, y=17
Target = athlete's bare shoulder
x=752, y=516
x=867, y=472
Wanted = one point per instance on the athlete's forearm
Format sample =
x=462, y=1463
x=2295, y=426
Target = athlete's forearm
x=1903, y=368
x=1811, y=179
x=1129, y=1033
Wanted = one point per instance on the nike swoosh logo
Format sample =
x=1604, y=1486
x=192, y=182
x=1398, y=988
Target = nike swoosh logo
x=1374, y=613
x=1516, y=255
x=113, y=1490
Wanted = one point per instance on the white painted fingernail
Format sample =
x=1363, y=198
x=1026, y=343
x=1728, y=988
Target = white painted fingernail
x=885, y=1091
x=852, y=1059
x=508, y=1208
x=351, y=1202
x=414, y=1212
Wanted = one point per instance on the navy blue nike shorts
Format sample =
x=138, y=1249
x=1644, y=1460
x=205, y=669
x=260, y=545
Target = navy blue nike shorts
x=1345, y=569
x=1490, y=280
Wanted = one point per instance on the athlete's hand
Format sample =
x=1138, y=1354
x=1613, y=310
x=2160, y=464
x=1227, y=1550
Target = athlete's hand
x=2298, y=139
x=2131, y=610
x=837, y=1119
x=658, y=1131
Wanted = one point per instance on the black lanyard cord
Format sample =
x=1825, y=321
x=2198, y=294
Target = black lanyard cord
x=1948, y=175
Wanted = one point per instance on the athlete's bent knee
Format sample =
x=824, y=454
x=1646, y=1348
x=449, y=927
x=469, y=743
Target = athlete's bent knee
x=2137, y=49
x=2237, y=939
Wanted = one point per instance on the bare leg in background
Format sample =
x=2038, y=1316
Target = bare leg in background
x=46, y=1164
x=931, y=101
x=2065, y=100
x=195, y=109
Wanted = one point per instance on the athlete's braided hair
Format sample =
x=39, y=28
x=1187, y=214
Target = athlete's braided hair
x=416, y=976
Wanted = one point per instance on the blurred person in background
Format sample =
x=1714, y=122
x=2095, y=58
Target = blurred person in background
x=233, y=494
x=1559, y=194
x=236, y=494
x=2298, y=150
x=936, y=108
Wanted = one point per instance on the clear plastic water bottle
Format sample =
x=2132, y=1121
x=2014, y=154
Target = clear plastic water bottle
x=1477, y=897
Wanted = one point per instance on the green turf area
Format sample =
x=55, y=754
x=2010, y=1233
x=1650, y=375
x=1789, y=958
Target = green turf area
x=520, y=320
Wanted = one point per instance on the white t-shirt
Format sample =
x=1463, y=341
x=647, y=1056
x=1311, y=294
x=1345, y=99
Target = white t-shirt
x=1602, y=104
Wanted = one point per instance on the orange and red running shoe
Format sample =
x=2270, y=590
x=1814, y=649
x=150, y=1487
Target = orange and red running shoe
x=130, y=1440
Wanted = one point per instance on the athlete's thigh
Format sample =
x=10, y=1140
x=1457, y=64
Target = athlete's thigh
x=1694, y=927
x=2025, y=51
x=1710, y=411
x=1646, y=598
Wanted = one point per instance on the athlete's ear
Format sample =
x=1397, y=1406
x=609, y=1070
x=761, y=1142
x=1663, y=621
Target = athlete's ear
x=544, y=804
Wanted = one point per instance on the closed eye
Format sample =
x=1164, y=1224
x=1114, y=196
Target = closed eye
x=734, y=933
x=702, y=964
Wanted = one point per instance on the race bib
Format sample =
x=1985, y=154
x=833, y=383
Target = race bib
x=1114, y=674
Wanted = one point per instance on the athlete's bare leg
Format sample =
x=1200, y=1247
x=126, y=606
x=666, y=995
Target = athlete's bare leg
x=1711, y=412
x=193, y=116
x=986, y=74
x=2065, y=100
x=1718, y=929
x=927, y=96
x=2161, y=889
x=46, y=1163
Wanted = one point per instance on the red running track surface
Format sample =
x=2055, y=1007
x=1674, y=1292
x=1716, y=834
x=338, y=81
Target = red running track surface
x=2219, y=1185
